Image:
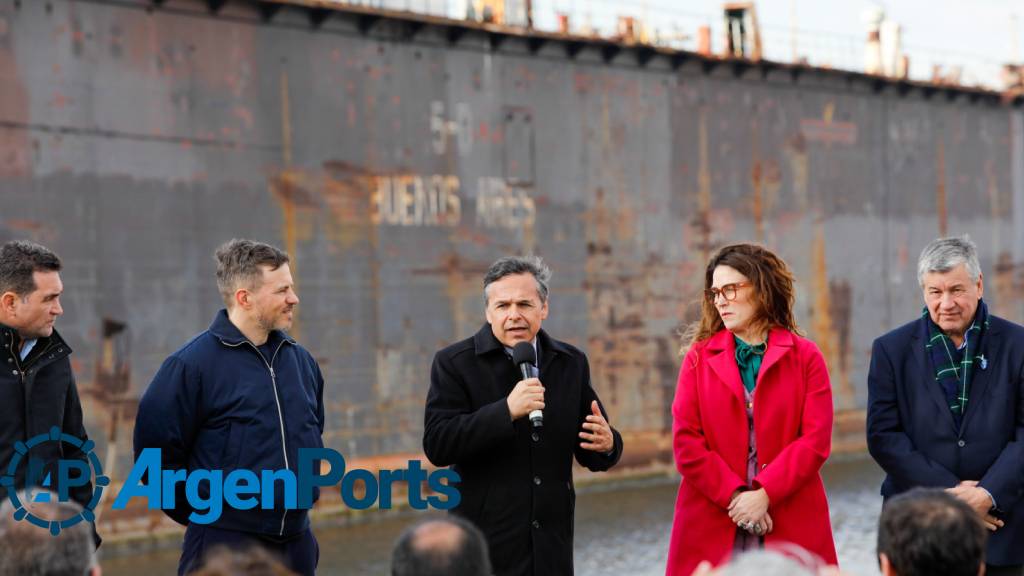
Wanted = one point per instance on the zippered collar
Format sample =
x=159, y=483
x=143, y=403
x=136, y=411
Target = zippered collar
x=229, y=334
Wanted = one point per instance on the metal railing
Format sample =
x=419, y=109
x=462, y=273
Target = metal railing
x=678, y=28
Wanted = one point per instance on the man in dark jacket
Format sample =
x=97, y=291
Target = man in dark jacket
x=946, y=401
x=243, y=395
x=37, y=386
x=517, y=478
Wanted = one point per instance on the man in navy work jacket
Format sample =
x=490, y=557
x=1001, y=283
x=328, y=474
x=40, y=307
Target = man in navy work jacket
x=241, y=395
x=516, y=478
x=946, y=401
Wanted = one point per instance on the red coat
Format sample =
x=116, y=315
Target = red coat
x=793, y=427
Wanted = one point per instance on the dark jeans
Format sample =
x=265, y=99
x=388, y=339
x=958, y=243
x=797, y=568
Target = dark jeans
x=1017, y=570
x=300, y=553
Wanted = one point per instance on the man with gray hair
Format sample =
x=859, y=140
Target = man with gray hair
x=517, y=476
x=37, y=386
x=243, y=395
x=28, y=550
x=946, y=401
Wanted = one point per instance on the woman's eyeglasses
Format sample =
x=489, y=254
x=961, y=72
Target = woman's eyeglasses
x=728, y=291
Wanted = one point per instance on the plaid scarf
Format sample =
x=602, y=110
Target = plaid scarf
x=955, y=367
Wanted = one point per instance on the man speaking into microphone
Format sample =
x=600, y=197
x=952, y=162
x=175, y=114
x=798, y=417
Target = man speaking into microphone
x=511, y=426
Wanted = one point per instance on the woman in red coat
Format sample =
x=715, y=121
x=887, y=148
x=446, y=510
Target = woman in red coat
x=752, y=419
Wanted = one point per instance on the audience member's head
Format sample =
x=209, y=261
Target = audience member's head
x=927, y=531
x=447, y=546
x=29, y=550
x=787, y=561
x=254, y=561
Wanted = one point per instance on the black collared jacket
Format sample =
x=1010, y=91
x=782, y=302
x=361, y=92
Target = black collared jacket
x=516, y=481
x=36, y=395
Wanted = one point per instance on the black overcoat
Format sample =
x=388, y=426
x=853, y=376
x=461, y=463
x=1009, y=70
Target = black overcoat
x=516, y=481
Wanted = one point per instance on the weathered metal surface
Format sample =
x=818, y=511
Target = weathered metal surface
x=395, y=158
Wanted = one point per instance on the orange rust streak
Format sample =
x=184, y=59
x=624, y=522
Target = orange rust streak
x=757, y=180
x=288, y=208
x=824, y=328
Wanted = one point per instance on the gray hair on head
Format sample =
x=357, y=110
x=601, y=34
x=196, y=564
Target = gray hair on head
x=510, y=265
x=238, y=265
x=27, y=549
x=944, y=254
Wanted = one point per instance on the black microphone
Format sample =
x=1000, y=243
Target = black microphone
x=525, y=356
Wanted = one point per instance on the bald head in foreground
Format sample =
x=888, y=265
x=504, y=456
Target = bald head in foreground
x=442, y=547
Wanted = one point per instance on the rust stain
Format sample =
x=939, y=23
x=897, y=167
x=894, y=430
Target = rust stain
x=1003, y=285
x=757, y=182
x=772, y=181
x=703, y=216
x=621, y=298
x=347, y=193
x=841, y=312
x=583, y=83
x=116, y=41
x=59, y=101
x=295, y=188
x=78, y=34
x=826, y=130
x=799, y=166
x=824, y=327
x=286, y=192
x=244, y=114
x=996, y=210
x=606, y=129
x=940, y=186
x=25, y=225
x=15, y=146
x=350, y=113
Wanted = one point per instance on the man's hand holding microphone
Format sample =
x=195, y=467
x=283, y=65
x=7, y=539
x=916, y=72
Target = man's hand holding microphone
x=527, y=398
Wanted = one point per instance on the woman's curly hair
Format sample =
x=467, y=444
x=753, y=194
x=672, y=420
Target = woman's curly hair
x=773, y=293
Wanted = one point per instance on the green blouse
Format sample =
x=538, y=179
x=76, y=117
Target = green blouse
x=748, y=359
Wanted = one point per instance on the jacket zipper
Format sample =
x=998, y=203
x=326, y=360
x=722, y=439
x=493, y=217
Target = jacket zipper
x=18, y=360
x=277, y=400
x=16, y=354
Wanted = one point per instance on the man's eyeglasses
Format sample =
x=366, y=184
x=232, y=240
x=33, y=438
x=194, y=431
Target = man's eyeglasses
x=728, y=291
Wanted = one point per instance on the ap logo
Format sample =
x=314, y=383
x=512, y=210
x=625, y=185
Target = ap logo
x=70, y=474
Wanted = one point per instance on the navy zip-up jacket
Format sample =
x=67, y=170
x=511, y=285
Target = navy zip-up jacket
x=219, y=404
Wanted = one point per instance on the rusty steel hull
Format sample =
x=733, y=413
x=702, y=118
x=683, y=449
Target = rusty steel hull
x=396, y=158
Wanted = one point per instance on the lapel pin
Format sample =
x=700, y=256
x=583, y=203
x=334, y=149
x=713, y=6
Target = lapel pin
x=983, y=361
